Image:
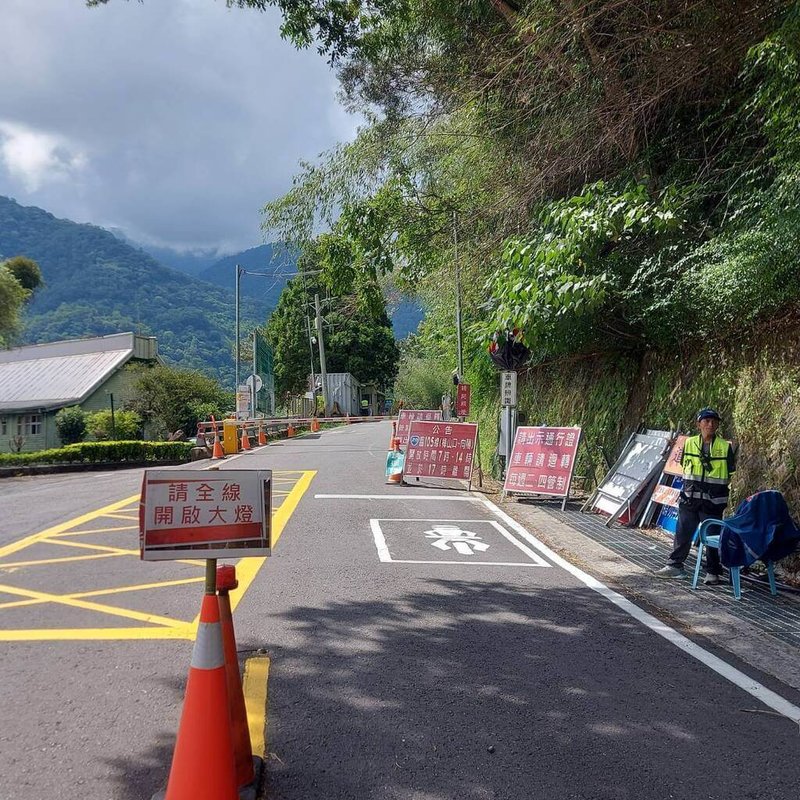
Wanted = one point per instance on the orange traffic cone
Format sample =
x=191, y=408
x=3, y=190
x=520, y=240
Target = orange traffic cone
x=289, y=431
x=245, y=443
x=216, y=451
x=262, y=437
x=202, y=765
x=240, y=732
x=314, y=425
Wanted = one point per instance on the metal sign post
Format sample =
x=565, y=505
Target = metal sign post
x=508, y=399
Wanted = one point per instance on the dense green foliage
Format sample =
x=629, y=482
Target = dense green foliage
x=20, y=277
x=96, y=284
x=169, y=399
x=358, y=338
x=124, y=426
x=103, y=452
x=71, y=425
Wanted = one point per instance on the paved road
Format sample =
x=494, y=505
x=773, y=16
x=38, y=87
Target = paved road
x=422, y=646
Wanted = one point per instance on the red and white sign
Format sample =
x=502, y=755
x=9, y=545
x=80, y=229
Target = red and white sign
x=666, y=495
x=463, y=394
x=674, y=465
x=441, y=450
x=542, y=461
x=409, y=415
x=194, y=514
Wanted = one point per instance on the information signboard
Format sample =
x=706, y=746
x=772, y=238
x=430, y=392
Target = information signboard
x=508, y=388
x=409, y=415
x=441, y=450
x=542, y=461
x=194, y=514
x=674, y=465
x=463, y=396
x=666, y=495
x=620, y=492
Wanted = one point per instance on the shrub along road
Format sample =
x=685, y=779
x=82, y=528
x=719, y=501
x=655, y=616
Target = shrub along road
x=422, y=645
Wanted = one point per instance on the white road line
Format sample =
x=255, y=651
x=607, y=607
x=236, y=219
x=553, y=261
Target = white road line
x=395, y=497
x=528, y=552
x=750, y=685
x=380, y=541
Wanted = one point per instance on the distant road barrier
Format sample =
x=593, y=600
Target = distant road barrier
x=273, y=426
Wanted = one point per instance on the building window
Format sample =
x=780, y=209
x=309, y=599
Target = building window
x=3, y=426
x=29, y=424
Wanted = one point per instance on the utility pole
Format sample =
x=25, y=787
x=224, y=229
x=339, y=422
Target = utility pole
x=253, y=389
x=458, y=300
x=322, y=368
x=311, y=354
x=236, y=359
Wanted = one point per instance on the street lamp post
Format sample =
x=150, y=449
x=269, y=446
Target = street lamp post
x=113, y=421
x=458, y=300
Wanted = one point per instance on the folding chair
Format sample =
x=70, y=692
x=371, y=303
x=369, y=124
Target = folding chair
x=702, y=539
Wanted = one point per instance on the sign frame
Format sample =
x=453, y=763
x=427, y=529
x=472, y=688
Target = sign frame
x=422, y=432
x=617, y=491
x=256, y=535
x=524, y=430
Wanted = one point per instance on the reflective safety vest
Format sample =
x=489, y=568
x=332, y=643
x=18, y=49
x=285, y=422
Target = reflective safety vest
x=706, y=477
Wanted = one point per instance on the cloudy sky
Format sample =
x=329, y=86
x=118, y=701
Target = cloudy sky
x=173, y=120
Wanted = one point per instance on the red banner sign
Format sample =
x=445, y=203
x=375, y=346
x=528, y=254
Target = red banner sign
x=463, y=394
x=409, y=415
x=674, y=465
x=441, y=450
x=666, y=495
x=193, y=514
x=542, y=461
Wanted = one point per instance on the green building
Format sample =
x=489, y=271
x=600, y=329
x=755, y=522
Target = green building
x=38, y=380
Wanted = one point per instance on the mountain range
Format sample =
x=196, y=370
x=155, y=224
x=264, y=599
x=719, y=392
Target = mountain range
x=97, y=282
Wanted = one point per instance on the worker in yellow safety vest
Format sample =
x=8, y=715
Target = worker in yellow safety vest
x=708, y=462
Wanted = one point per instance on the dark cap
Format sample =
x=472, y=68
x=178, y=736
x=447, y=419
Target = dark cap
x=708, y=413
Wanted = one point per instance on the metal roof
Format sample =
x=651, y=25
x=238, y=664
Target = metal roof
x=60, y=373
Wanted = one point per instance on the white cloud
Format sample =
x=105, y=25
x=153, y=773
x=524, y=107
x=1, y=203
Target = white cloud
x=173, y=121
x=35, y=158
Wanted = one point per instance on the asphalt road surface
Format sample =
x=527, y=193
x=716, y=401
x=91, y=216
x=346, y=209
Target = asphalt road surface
x=422, y=646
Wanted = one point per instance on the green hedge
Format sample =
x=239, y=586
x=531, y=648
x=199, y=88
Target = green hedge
x=99, y=452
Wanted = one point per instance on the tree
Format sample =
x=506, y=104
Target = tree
x=12, y=297
x=358, y=340
x=171, y=398
x=71, y=425
x=125, y=426
x=26, y=271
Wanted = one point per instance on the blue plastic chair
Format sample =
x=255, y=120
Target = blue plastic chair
x=702, y=539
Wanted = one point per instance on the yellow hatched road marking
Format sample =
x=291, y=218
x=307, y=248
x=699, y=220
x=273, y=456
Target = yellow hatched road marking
x=65, y=600
x=99, y=530
x=65, y=526
x=100, y=592
x=42, y=561
x=102, y=548
x=247, y=569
